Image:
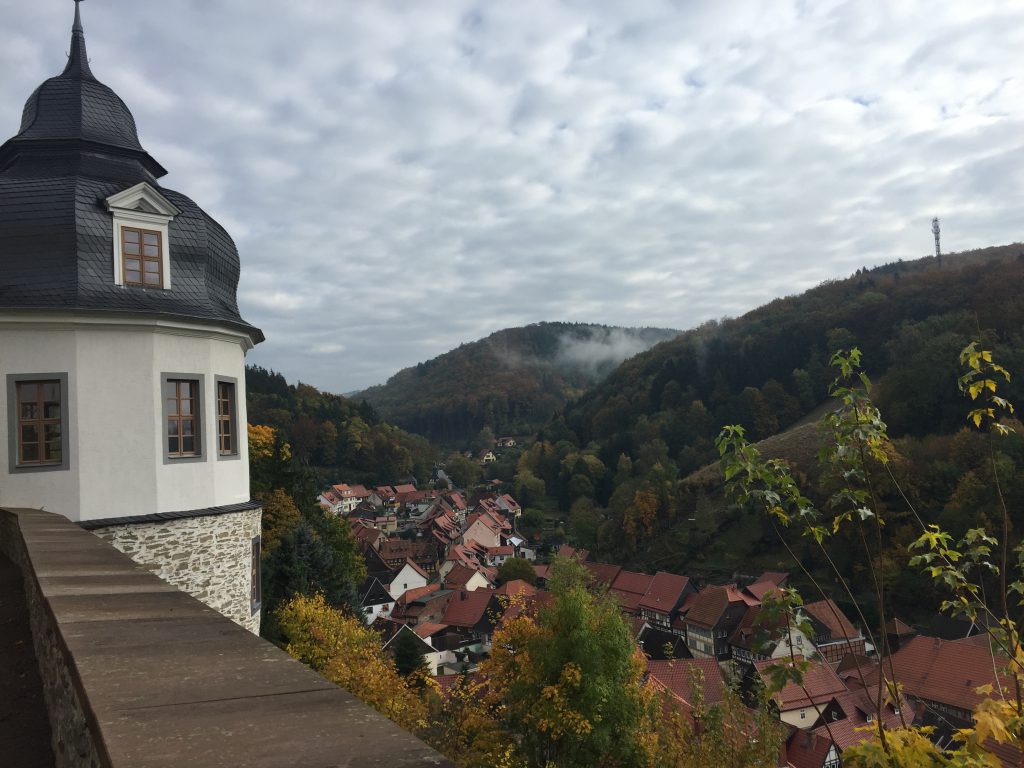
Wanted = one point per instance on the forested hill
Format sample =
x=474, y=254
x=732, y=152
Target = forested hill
x=769, y=367
x=615, y=458
x=512, y=381
x=344, y=438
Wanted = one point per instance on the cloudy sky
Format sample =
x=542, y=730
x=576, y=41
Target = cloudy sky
x=401, y=177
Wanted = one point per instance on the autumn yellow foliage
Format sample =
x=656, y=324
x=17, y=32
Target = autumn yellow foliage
x=261, y=443
x=347, y=652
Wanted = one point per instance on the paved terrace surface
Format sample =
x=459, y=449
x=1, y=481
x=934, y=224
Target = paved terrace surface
x=165, y=681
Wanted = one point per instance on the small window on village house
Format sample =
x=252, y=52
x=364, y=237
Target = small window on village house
x=142, y=254
x=38, y=421
x=227, y=430
x=182, y=408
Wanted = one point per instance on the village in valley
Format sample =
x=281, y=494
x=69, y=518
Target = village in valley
x=439, y=580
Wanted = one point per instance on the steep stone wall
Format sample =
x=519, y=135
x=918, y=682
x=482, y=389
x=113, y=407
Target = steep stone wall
x=209, y=557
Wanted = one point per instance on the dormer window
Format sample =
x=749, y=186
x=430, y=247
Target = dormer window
x=141, y=216
x=142, y=257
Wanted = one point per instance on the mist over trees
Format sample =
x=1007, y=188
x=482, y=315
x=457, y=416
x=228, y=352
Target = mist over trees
x=511, y=382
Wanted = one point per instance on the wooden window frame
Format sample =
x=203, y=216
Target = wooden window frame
x=198, y=380
x=143, y=259
x=230, y=419
x=15, y=422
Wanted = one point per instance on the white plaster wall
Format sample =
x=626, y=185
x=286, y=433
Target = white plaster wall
x=115, y=407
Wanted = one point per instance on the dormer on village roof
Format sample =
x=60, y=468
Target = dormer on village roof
x=666, y=593
x=404, y=488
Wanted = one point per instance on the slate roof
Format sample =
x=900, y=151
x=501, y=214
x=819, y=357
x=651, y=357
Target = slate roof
x=78, y=145
x=374, y=593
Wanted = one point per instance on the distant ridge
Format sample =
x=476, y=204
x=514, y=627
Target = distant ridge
x=511, y=381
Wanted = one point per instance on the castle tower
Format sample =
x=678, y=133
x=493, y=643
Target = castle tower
x=121, y=347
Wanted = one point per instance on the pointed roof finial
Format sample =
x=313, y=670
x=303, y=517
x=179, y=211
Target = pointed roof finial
x=78, y=61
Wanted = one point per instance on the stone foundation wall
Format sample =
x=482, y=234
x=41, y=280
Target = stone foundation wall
x=208, y=557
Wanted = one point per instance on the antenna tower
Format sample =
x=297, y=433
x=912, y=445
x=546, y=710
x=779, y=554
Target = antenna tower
x=935, y=231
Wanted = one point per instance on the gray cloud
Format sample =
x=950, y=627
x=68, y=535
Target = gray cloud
x=402, y=177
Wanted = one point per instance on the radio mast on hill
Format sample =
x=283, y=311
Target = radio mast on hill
x=935, y=231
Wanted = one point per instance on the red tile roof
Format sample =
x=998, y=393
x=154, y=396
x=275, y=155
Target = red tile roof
x=778, y=578
x=761, y=588
x=675, y=676
x=576, y=554
x=630, y=581
x=466, y=609
x=603, y=573
x=428, y=629
x=829, y=614
x=417, y=592
x=807, y=749
x=946, y=671
x=820, y=684
x=708, y=605
x=516, y=588
x=459, y=576
x=665, y=592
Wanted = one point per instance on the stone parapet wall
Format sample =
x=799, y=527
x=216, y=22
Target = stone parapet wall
x=138, y=674
x=73, y=743
x=209, y=557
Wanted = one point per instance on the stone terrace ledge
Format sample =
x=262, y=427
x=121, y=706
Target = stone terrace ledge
x=138, y=674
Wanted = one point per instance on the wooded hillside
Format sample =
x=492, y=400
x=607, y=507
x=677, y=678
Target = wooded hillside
x=512, y=381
